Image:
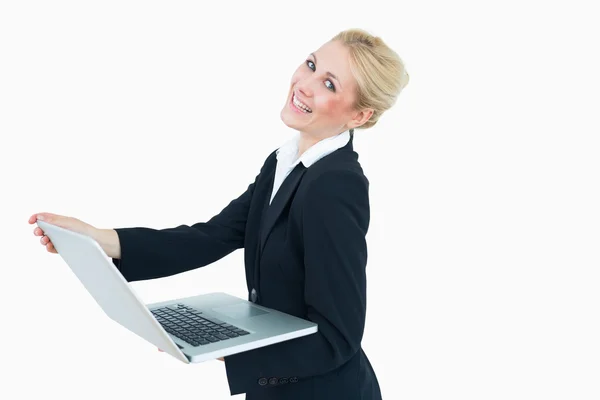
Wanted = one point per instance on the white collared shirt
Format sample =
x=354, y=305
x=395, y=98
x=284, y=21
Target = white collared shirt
x=287, y=156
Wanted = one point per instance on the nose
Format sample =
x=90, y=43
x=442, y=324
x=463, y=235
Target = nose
x=304, y=87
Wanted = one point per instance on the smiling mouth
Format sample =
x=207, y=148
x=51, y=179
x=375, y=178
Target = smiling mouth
x=298, y=106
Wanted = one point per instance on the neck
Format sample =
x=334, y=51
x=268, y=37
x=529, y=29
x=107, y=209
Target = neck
x=306, y=142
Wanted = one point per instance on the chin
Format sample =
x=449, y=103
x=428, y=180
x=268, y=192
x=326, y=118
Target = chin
x=289, y=120
x=294, y=120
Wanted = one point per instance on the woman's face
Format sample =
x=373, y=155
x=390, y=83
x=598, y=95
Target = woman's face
x=326, y=90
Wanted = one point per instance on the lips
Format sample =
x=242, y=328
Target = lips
x=295, y=94
x=294, y=107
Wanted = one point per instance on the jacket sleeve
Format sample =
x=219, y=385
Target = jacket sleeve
x=335, y=222
x=148, y=253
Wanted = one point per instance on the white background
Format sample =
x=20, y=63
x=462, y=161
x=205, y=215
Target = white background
x=483, y=269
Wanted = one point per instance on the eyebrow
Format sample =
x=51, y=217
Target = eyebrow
x=328, y=73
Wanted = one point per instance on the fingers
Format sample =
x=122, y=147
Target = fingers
x=51, y=249
x=45, y=240
x=37, y=231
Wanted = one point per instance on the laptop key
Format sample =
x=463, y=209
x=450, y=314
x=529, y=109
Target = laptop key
x=222, y=337
x=212, y=339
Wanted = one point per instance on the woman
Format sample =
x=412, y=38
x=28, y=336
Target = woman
x=302, y=224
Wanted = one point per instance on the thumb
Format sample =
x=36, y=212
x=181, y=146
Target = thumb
x=53, y=219
x=70, y=223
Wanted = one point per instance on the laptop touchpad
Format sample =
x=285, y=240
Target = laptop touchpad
x=241, y=310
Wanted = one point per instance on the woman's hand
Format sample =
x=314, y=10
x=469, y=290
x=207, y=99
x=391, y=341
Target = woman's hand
x=106, y=238
x=220, y=358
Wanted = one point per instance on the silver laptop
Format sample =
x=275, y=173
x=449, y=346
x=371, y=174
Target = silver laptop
x=191, y=329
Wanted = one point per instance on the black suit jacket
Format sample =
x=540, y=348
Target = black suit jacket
x=305, y=255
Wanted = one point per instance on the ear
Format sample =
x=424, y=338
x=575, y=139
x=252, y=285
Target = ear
x=360, y=118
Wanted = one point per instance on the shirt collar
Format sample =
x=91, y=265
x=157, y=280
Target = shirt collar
x=314, y=153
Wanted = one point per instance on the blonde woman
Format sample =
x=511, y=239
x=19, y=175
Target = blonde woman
x=302, y=224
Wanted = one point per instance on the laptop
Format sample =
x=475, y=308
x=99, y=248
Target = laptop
x=192, y=329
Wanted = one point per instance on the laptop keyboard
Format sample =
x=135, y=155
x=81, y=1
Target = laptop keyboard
x=193, y=327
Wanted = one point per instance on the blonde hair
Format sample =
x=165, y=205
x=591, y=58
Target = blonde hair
x=378, y=70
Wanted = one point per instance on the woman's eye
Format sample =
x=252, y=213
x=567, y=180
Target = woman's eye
x=311, y=65
x=330, y=86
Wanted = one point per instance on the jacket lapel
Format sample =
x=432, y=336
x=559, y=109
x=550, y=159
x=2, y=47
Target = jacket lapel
x=272, y=212
x=283, y=195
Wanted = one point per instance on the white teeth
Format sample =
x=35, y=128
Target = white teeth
x=301, y=105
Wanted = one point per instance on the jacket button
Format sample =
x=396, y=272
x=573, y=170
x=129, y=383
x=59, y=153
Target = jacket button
x=273, y=381
x=253, y=295
x=293, y=379
x=262, y=381
x=283, y=380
